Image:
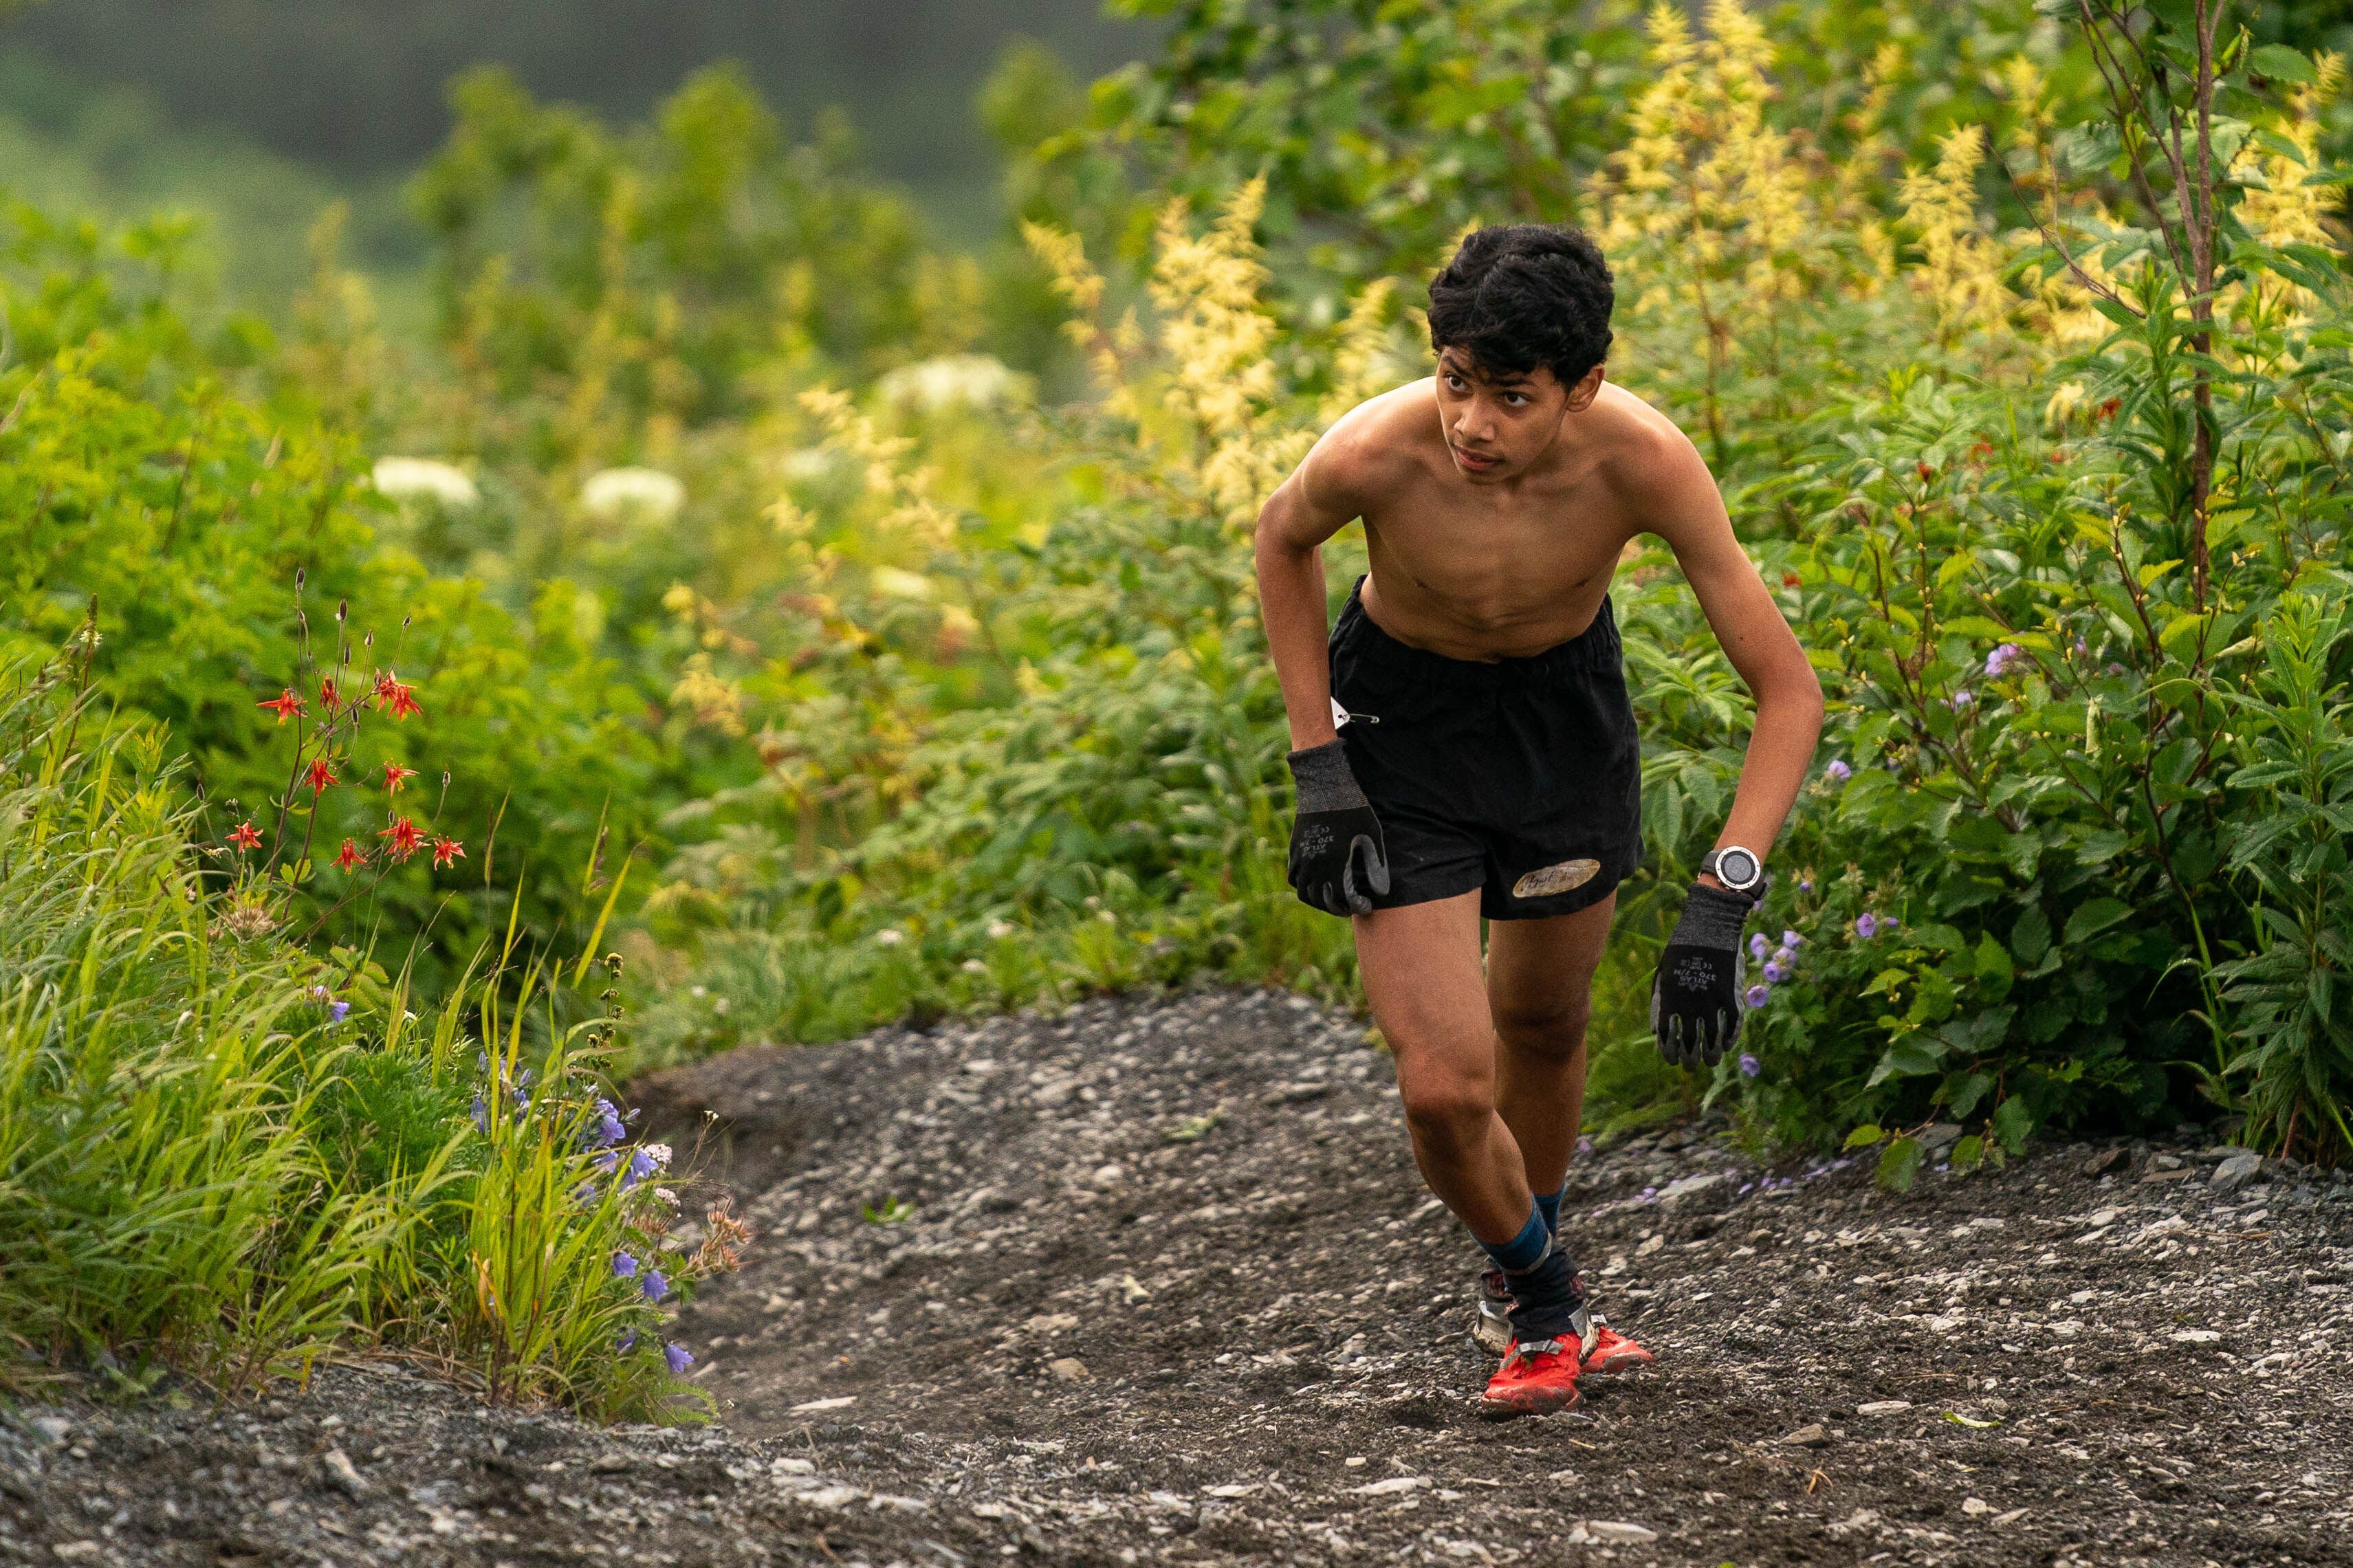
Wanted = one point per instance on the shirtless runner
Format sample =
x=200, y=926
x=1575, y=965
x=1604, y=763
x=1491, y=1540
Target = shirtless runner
x=1465, y=750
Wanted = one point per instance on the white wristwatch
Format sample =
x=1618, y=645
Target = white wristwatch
x=1740, y=870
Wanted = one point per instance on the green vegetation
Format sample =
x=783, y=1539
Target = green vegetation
x=221, y=1152
x=839, y=629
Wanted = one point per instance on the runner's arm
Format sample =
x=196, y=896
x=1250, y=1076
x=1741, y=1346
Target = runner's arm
x=1311, y=506
x=1688, y=513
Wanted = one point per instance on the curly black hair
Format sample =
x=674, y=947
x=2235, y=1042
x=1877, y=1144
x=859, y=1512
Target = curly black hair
x=1524, y=295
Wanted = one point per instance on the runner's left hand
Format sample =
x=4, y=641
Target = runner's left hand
x=1695, y=999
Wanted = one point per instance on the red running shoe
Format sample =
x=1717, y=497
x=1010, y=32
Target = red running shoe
x=1536, y=1379
x=1608, y=1350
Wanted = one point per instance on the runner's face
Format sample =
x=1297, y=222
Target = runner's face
x=1497, y=424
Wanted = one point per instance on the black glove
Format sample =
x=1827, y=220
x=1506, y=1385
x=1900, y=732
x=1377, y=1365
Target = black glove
x=1695, y=1000
x=1336, y=853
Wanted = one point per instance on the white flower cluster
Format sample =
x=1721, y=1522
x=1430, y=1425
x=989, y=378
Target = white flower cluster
x=976, y=380
x=646, y=494
x=430, y=479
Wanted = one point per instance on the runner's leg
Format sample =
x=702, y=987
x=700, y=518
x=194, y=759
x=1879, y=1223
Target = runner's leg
x=1421, y=972
x=1540, y=994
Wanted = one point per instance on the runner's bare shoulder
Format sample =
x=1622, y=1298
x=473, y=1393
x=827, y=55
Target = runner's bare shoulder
x=1374, y=449
x=1649, y=464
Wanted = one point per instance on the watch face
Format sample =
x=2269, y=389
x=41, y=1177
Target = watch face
x=1735, y=868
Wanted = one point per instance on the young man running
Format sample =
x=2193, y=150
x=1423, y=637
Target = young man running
x=1464, y=747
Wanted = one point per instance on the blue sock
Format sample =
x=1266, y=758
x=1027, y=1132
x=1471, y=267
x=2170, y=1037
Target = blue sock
x=1524, y=1251
x=1548, y=1205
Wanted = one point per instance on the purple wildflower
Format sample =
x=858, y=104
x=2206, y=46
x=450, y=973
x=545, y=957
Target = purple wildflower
x=1774, y=973
x=2001, y=658
x=481, y=1115
x=1866, y=925
x=1758, y=946
x=679, y=1358
x=338, y=1011
x=1837, y=772
x=1757, y=995
x=655, y=1286
x=1785, y=958
x=608, y=1129
x=1960, y=700
x=1750, y=1067
x=1806, y=884
x=628, y=1341
x=1790, y=938
x=624, y=1265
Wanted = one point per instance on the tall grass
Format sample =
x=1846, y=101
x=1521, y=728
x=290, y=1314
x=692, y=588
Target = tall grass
x=224, y=1154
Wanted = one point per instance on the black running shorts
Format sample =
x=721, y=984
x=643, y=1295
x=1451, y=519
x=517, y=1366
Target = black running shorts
x=1522, y=777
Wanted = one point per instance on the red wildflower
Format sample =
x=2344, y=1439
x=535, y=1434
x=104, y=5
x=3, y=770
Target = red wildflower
x=349, y=855
x=1791, y=580
x=1926, y=471
x=2108, y=410
x=319, y=776
x=327, y=692
x=393, y=693
x=395, y=775
x=246, y=837
x=287, y=704
x=445, y=850
x=406, y=840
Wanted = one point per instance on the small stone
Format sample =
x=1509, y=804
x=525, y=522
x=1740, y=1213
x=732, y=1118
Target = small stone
x=1683, y=1187
x=51, y=1430
x=2099, y=1162
x=1613, y=1530
x=1392, y=1486
x=342, y=1474
x=2237, y=1170
x=1938, y=1135
x=2196, y=1337
x=2013, y=1517
x=608, y=1464
x=1974, y=1505
x=1809, y=1436
x=1884, y=1407
x=1068, y=1368
x=76, y=1550
x=1109, y=1176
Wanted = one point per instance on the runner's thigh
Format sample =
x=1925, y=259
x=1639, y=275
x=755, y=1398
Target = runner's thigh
x=1542, y=970
x=1422, y=976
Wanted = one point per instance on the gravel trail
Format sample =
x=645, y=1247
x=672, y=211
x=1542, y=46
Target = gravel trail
x=1154, y=1281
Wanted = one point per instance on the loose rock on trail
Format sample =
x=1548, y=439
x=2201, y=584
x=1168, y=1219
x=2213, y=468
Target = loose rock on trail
x=1155, y=1281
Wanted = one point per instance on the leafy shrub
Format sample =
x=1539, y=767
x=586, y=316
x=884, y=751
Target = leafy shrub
x=221, y=1153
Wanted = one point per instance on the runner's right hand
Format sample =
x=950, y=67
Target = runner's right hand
x=1336, y=853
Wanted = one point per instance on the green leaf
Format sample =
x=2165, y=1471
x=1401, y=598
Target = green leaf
x=2011, y=1122
x=1962, y=1095
x=1899, y=1164
x=1958, y=1419
x=1907, y=1057
x=2280, y=63
x=2029, y=939
x=1864, y=1136
x=2094, y=917
x=1995, y=970
x=1968, y=1152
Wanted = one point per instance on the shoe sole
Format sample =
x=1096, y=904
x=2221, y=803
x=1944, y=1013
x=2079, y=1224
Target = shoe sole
x=1532, y=1401
x=1622, y=1361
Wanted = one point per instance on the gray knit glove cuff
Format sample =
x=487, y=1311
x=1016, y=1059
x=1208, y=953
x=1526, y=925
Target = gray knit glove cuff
x=1713, y=916
x=1326, y=781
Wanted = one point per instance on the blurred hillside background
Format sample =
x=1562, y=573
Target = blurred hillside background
x=258, y=112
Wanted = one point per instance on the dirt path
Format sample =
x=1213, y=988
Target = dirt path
x=1169, y=1291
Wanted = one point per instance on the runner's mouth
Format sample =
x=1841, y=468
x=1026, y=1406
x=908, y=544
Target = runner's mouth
x=1474, y=461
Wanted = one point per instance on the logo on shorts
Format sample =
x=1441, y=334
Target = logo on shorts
x=1546, y=880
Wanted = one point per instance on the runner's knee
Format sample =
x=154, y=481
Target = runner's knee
x=1448, y=1110
x=1551, y=1028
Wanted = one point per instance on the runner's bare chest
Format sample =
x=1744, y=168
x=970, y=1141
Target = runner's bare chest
x=1481, y=573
